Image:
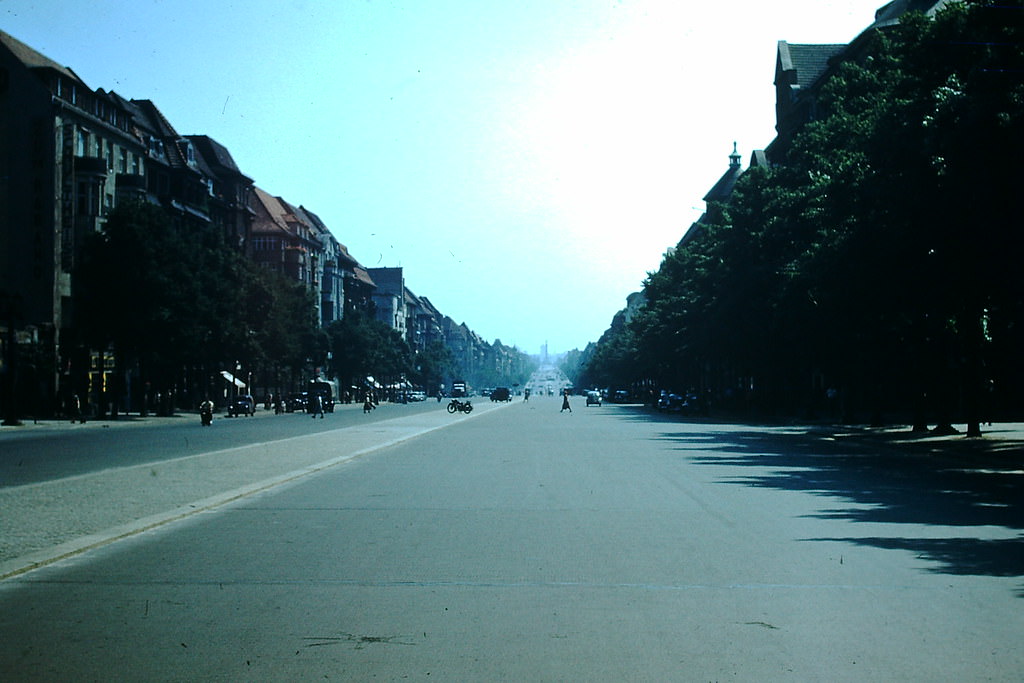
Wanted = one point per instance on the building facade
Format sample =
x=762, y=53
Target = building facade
x=68, y=155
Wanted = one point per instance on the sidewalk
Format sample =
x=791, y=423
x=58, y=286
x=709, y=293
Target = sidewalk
x=44, y=522
x=999, y=442
x=29, y=426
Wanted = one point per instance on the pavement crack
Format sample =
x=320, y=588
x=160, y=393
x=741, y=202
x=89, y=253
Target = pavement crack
x=360, y=641
x=762, y=624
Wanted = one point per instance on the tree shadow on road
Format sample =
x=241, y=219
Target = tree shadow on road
x=880, y=476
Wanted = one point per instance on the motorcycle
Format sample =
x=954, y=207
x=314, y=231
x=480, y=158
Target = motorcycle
x=206, y=413
x=457, y=406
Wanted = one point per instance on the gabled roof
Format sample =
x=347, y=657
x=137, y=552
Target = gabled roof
x=411, y=299
x=36, y=60
x=695, y=230
x=890, y=13
x=363, y=276
x=430, y=307
x=317, y=223
x=217, y=156
x=269, y=214
x=801, y=65
x=345, y=259
x=154, y=119
x=723, y=188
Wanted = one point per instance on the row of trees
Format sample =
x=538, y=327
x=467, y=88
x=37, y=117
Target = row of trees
x=879, y=262
x=173, y=305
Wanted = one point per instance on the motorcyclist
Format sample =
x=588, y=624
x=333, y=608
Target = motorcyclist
x=206, y=412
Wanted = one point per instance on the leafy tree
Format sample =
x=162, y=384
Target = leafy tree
x=881, y=253
x=136, y=291
x=431, y=366
x=362, y=346
x=167, y=296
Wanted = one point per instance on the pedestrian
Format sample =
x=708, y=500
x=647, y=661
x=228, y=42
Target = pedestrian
x=368, y=404
x=76, y=410
x=565, y=402
x=317, y=406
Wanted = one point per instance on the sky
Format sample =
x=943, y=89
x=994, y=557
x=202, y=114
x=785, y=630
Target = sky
x=526, y=162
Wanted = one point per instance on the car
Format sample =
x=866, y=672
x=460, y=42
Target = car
x=501, y=394
x=295, y=402
x=241, y=405
x=417, y=396
x=593, y=398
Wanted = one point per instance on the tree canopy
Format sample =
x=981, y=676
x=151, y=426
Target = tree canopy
x=880, y=258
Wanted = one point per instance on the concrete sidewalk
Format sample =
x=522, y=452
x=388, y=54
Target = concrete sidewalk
x=1002, y=441
x=30, y=426
x=44, y=522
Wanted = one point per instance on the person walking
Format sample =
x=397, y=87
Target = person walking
x=317, y=406
x=565, y=402
x=368, y=404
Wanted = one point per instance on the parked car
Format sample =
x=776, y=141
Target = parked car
x=501, y=394
x=295, y=402
x=417, y=396
x=593, y=398
x=241, y=405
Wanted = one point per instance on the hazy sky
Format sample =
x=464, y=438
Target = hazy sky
x=527, y=162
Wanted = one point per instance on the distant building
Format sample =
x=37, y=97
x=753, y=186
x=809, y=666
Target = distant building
x=389, y=297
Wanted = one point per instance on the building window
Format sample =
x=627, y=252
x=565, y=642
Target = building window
x=88, y=198
x=123, y=161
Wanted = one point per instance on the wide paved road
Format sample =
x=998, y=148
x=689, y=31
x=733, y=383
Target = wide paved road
x=527, y=544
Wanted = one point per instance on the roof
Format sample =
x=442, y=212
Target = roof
x=801, y=65
x=890, y=13
x=154, y=118
x=216, y=155
x=269, y=214
x=723, y=188
x=430, y=307
x=363, y=276
x=35, y=60
x=411, y=299
x=392, y=279
x=344, y=257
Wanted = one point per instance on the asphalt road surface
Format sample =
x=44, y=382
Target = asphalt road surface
x=529, y=544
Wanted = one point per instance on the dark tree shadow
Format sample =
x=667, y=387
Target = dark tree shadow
x=892, y=477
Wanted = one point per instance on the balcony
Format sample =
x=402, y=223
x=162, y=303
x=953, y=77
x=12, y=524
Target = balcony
x=94, y=166
x=130, y=184
x=295, y=255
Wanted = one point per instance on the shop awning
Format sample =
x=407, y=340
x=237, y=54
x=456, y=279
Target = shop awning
x=231, y=378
